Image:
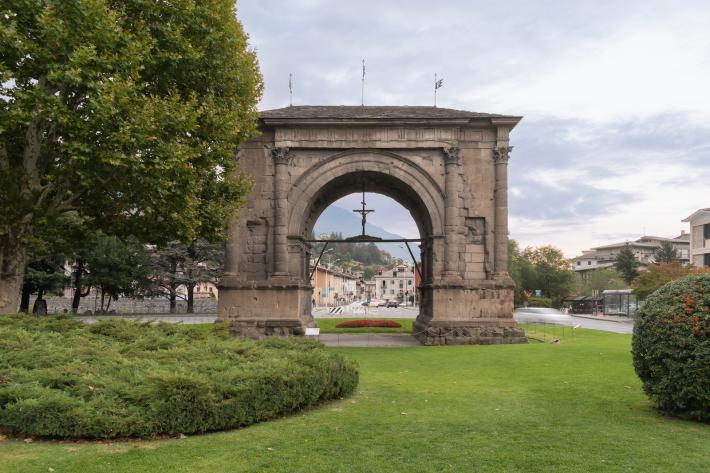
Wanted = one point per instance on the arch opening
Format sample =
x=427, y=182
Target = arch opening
x=374, y=182
x=371, y=183
x=362, y=274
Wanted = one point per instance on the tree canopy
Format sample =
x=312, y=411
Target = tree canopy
x=627, y=264
x=126, y=113
x=599, y=280
x=666, y=253
x=541, y=268
x=117, y=268
x=657, y=275
x=178, y=265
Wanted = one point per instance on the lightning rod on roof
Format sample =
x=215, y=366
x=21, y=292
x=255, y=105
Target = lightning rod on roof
x=290, y=90
x=362, y=91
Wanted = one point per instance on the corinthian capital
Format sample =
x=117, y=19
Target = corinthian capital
x=281, y=155
x=451, y=155
x=501, y=154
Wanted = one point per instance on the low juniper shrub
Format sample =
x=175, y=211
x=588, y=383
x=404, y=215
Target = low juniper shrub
x=60, y=378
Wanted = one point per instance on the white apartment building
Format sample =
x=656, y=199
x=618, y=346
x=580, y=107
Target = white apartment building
x=699, y=237
x=397, y=284
x=644, y=249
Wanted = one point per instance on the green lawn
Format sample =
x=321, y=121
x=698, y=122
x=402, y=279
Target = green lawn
x=329, y=326
x=572, y=407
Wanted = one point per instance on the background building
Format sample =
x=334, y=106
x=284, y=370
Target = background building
x=334, y=286
x=700, y=237
x=644, y=249
x=397, y=284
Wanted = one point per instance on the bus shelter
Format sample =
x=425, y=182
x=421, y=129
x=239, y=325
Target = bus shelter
x=619, y=302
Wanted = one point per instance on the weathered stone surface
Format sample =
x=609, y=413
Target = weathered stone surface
x=447, y=167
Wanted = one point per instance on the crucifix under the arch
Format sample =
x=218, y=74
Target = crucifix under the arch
x=363, y=212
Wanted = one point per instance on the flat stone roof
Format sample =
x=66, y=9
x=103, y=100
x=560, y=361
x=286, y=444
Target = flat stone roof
x=355, y=112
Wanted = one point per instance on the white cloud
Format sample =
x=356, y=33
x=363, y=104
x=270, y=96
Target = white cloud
x=636, y=70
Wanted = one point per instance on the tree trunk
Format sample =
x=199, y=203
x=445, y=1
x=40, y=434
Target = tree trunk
x=190, y=298
x=78, y=274
x=13, y=259
x=25, y=299
x=173, y=300
x=40, y=305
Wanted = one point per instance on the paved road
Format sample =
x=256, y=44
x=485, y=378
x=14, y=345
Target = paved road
x=368, y=340
x=564, y=319
x=381, y=339
x=359, y=311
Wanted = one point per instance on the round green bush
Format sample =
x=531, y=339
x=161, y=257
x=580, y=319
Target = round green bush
x=671, y=347
x=61, y=378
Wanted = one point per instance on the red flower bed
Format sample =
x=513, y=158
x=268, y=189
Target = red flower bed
x=368, y=323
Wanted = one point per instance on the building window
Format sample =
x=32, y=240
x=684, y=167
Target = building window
x=579, y=263
x=589, y=263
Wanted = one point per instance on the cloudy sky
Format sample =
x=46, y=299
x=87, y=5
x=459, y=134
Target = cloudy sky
x=616, y=97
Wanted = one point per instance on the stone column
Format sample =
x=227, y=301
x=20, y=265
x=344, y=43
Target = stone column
x=281, y=157
x=451, y=227
x=501, y=155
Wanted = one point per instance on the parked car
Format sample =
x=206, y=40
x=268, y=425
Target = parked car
x=382, y=304
x=394, y=304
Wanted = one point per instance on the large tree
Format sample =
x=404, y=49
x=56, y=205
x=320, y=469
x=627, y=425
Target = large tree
x=42, y=275
x=117, y=268
x=125, y=113
x=544, y=268
x=519, y=269
x=627, y=264
x=599, y=280
x=551, y=272
x=666, y=253
x=177, y=268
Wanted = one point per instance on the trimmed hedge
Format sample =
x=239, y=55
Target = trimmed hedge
x=671, y=347
x=368, y=323
x=61, y=378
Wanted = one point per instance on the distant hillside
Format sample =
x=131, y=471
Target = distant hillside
x=337, y=219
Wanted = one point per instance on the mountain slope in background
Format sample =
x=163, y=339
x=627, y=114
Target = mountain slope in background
x=337, y=219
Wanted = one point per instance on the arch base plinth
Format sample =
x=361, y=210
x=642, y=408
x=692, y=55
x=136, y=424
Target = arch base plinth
x=256, y=309
x=467, y=313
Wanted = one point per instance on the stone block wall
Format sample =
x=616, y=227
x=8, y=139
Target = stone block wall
x=126, y=305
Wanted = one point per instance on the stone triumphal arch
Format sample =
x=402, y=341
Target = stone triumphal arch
x=447, y=167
